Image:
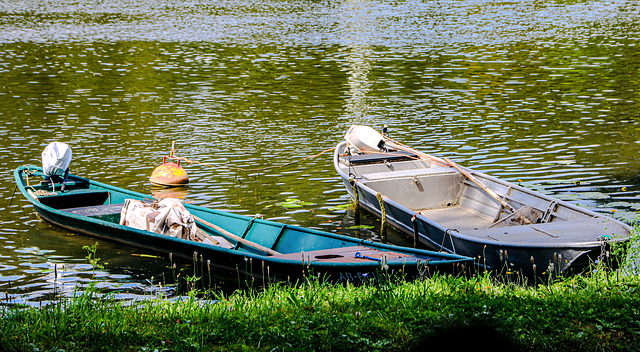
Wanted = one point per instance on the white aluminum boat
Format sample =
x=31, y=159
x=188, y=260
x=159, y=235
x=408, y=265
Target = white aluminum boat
x=458, y=210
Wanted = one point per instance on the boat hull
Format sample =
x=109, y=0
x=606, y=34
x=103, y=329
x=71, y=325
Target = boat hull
x=494, y=249
x=241, y=258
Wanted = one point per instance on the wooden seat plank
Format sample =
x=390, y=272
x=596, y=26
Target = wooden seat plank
x=96, y=210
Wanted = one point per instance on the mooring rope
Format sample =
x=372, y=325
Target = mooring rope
x=383, y=217
x=188, y=161
x=35, y=193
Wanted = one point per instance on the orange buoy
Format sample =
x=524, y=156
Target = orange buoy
x=169, y=174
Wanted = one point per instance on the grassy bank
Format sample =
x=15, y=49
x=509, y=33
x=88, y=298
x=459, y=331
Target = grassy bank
x=596, y=313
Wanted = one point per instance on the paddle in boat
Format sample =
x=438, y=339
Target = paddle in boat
x=229, y=241
x=458, y=210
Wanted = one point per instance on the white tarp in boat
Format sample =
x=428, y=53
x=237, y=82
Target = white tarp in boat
x=56, y=158
x=167, y=217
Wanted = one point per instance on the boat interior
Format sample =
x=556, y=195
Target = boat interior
x=444, y=195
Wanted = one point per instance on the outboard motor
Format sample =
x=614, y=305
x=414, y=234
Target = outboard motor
x=56, y=158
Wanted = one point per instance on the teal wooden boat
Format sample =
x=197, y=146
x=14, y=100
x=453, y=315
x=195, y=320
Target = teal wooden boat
x=259, y=247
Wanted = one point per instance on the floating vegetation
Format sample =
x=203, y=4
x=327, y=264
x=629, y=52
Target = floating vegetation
x=341, y=207
x=558, y=162
x=142, y=255
x=292, y=203
x=361, y=227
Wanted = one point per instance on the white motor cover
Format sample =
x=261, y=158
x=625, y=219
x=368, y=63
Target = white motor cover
x=364, y=138
x=56, y=158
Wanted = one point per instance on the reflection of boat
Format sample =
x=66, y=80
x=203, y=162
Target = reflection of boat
x=169, y=192
x=466, y=212
x=260, y=247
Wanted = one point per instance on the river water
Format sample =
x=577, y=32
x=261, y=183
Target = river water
x=545, y=93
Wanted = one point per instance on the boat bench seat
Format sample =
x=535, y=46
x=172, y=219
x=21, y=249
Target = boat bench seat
x=373, y=158
x=437, y=170
x=75, y=198
x=96, y=210
x=106, y=212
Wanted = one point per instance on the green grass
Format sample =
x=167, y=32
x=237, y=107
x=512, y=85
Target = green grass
x=595, y=311
x=573, y=314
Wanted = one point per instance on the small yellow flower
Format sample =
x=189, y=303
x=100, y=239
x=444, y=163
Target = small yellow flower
x=624, y=189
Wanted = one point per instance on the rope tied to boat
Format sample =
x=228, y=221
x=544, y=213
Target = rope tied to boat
x=28, y=172
x=35, y=193
x=383, y=217
x=356, y=197
x=604, y=247
x=42, y=192
x=416, y=232
x=423, y=267
x=453, y=245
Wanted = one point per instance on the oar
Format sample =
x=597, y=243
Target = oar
x=484, y=188
x=448, y=162
x=235, y=237
x=203, y=235
x=398, y=145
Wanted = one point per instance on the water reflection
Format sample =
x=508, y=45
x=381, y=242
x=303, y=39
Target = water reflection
x=359, y=84
x=539, y=93
x=169, y=192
